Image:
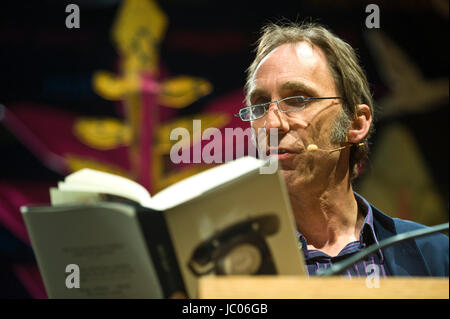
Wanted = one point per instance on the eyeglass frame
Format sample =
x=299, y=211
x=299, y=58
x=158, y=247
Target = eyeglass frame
x=307, y=99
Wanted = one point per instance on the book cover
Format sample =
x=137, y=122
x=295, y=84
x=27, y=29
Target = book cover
x=229, y=220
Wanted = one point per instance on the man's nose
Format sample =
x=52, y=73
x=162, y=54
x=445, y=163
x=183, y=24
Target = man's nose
x=276, y=119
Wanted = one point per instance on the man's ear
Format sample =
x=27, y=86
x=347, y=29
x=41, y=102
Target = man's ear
x=360, y=124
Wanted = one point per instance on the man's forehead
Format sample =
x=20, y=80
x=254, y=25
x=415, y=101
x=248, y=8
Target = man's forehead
x=304, y=53
x=303, y=50
x=290, y=85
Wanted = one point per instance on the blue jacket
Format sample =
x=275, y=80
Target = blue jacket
x=425, y=256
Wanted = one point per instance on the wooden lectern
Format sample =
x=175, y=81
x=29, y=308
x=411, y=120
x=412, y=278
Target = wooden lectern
x=296, y=287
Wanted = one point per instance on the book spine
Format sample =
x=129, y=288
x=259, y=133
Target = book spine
x=161, y=250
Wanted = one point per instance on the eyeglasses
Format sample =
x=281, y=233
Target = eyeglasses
x=286, y=105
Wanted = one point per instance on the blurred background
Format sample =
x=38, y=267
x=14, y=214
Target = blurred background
x=96, y=95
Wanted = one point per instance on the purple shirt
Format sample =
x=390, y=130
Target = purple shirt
x=315, y=259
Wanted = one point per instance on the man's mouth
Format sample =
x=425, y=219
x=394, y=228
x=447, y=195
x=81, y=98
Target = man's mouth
x=281, y=152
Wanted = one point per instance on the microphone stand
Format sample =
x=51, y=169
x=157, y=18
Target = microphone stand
x=340, y=267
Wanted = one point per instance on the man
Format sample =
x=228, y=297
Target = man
x=307, y=84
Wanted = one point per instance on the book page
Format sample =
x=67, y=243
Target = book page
x=88, y=180
x=106, y=243
x=203, y=182
x=58, y=197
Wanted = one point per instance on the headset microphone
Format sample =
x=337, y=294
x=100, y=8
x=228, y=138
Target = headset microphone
x=314, y=147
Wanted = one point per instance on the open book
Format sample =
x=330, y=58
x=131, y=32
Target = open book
x=124, y=243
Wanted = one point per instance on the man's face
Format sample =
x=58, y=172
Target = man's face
x=293, y=70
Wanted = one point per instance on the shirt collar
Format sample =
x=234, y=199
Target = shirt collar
x=367, y=235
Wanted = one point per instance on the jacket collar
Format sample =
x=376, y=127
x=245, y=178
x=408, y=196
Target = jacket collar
x=404, y=259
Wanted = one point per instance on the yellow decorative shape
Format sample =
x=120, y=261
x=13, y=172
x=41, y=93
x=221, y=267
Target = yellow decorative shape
x=176, y=92
x=180, y=91
x=163, y=179
x=138, y=30
x=209, y=120
x=76, y=163
x=102, y=134
x=112, y=87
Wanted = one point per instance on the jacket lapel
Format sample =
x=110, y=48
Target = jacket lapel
x=404, y=259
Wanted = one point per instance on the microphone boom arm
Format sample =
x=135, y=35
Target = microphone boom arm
x=339, y=268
